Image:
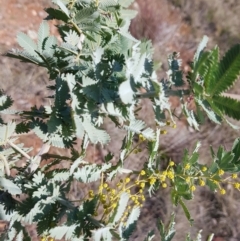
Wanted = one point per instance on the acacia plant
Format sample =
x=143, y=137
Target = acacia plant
x=98, y=70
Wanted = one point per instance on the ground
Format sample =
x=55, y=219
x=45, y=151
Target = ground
x=172, y=25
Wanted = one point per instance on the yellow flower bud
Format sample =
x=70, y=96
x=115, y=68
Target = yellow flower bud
x=105, y=185
x=135, y=151
x=171, y=163
x=152, y=180
x=164, y=185
x=192, y=188
x=201, y=183
x=164, y=173
x=204, y=168
x=163, y=132
x=162, y=178
x=113, y=191
x=127, y=180
x=141, y=137
x=222, y=191
x=236, y=185
x=142, y=173
x=220, y=172
x=136, y=182
x=234, y=176
x=188, y=179
x=168, y=123
x=187, y=166
x=170, y=175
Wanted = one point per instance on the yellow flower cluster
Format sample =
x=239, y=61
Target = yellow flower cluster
x=47, y=238
x=141, y=137
x=168, y=123
x=187, y=167
x=201, y=176
x=220, y=172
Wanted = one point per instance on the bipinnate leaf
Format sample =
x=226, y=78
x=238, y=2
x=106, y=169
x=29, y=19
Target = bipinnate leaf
x=200, y=48
x=190, y=117
x=27, y=43
x=62, y=231
x=50, y=43
x=5, y=101
x=150, y=236
x=186, y=211
x=228, y=106
x=6, y=131
x=134, y=215
x=24, y=56
x=167, y=235
x=136, y=126
x=210, y=113
x=56, y=14
x=131, y=223
x=126, y=93
x=11, y=187
x=227, y=72
x=90, y=173
x=122, y=204
x=84, y=14
x=211, y=65
x=95, y=135
x=125, y=3
x=108, y=3
x=43, y=33
x=236, y=150
x=62, y=6
x=102, y=234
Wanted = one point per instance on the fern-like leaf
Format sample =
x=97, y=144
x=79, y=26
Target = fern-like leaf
x=27, y=43
x=227, y=72
x=24, y=56
x=102, y=234
x=84, y=14
x=167, y=235
x=123, y=201
x=6, y=131
x=125, y=3
x=108, y=3
x=95, y=135
x=56, y=14
x=90, y=173
x=228, y=106
x=200, y=49
x=62, y=6
x=212, y=63
x=131, y=223
x=62, y=231
x=210, y=113
x=5, y=101
x=50, y=43
x=43, y=33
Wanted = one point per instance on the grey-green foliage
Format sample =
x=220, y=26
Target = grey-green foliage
x=92, y=68
x=99, y=70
